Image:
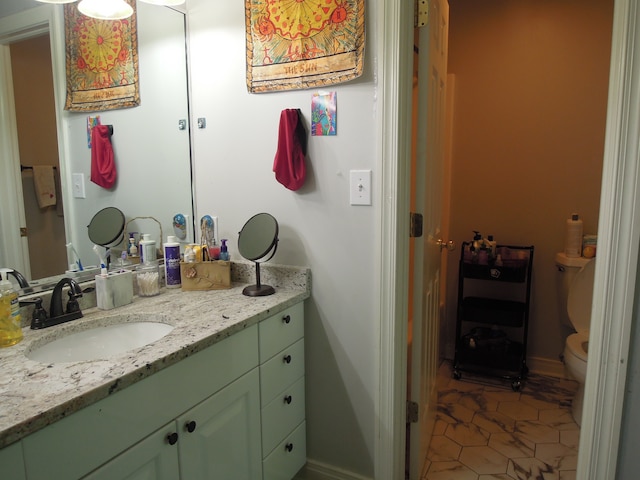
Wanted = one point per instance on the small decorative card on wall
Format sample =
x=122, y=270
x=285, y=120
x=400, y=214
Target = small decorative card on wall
x=303, y=43
x=323, y=114
x=102, y=61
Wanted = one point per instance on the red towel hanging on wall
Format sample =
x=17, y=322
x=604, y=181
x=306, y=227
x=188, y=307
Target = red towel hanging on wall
x=103, y=165
x=289, y=163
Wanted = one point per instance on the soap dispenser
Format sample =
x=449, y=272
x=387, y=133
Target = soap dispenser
x=224, y=252
x=10, y=319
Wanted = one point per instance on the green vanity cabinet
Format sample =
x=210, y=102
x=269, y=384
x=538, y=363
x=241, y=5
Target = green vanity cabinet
x=282, y=394
x=219, y=438
x=235, y=410
x=76, y=445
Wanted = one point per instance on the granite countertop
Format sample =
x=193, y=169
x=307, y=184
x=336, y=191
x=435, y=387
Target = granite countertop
x=34, y=395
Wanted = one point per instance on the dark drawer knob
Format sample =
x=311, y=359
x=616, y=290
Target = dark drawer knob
x=286, y=319
x=190, y=426
x=288, y=447
x=172, y=438
x=288, y=399
x=286, y=359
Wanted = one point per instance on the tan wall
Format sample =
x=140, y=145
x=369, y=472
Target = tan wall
x=531, y=79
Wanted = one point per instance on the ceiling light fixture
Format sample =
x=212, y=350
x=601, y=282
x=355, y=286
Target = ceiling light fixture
x=164, y=3
x=110, y=9
x=105, y=9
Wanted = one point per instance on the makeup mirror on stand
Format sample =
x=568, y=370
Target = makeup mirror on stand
x=107, y=229
x=257, y=240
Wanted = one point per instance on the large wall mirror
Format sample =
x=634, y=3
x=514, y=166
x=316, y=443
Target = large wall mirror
x=151, y=147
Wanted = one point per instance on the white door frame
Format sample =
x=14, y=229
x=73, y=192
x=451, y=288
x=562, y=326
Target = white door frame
x=618, y=239
x=34, y=21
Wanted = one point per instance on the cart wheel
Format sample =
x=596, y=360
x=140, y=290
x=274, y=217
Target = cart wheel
x=515, y=385
x=457, y=375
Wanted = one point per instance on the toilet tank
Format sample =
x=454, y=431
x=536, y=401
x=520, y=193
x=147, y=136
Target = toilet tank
x=567, y=268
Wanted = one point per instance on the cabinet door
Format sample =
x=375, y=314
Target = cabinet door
x=151, y=459
x=12, y=462
x=220, y=437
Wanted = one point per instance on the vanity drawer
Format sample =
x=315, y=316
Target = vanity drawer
x=280, y=330
x=288, y=457
x=281, y=415
x=282, y=370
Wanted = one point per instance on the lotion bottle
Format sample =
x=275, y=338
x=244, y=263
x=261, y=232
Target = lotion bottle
x=172, y=262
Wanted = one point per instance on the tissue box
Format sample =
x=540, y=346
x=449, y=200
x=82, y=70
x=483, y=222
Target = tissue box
x=214, y=275
x=114, y=290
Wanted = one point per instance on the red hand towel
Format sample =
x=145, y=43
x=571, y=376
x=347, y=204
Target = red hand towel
x=103, y=166
x=288, y=164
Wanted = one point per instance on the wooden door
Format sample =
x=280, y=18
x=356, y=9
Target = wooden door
x=428, y=178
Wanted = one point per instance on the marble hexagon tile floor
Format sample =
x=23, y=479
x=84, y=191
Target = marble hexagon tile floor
x=486, y=431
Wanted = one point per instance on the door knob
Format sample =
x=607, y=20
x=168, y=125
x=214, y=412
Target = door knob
x=450, y=245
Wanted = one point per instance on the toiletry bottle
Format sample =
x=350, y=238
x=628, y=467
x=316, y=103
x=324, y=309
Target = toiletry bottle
x=224, y=252
x=147, y=249
x=189, y=254
x=10, y=328
x=477, y=240
x=214, y=251
x=133, y=248
x=172, y=262
x=573, y=238
x=491, y=246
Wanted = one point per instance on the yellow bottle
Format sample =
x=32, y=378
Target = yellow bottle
x=10, y=319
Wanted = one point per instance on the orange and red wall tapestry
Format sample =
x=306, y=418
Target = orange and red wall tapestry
x=102, y=61
x=296, y=44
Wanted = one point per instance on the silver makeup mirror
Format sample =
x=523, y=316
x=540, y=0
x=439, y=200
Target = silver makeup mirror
x=258, y=242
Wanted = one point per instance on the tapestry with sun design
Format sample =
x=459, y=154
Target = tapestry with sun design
x=296, y=44
x=102, y=61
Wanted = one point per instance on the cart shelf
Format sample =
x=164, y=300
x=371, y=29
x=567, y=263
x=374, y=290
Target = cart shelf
x=486, y=308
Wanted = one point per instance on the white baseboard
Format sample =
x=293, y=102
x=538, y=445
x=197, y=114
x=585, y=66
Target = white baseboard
x=546, y=366
x=321, y=471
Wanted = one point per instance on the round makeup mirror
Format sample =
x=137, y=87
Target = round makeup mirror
x=257, y=240
x=107, y=227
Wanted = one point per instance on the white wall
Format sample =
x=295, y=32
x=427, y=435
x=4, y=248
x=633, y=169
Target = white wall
x=233, y=160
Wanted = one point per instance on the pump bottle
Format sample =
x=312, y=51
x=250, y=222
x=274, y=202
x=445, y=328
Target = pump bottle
x=10, y=319
x=224, y=252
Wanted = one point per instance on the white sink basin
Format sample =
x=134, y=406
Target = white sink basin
x=100, y=343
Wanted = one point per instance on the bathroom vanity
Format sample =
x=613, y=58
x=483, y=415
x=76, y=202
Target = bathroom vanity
x=220, y=396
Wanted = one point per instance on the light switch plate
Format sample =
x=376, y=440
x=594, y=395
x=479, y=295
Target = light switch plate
x=360, y=187
x=77, y=181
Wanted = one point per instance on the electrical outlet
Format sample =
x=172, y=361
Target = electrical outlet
x=360, y=187
x=77, y=180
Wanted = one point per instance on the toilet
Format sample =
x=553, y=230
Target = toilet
x=576, y=293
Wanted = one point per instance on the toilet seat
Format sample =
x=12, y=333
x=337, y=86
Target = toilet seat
x=576, y=344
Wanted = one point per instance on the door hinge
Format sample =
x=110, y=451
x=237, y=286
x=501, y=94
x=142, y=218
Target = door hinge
x=415, y=227
x=412, y=412
x=421, y=16
x=23, y=231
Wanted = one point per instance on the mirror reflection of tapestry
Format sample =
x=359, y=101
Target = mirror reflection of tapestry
x=296, y=45
x=102, y=61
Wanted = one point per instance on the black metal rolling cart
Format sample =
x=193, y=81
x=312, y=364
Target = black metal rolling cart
x=492, y=320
